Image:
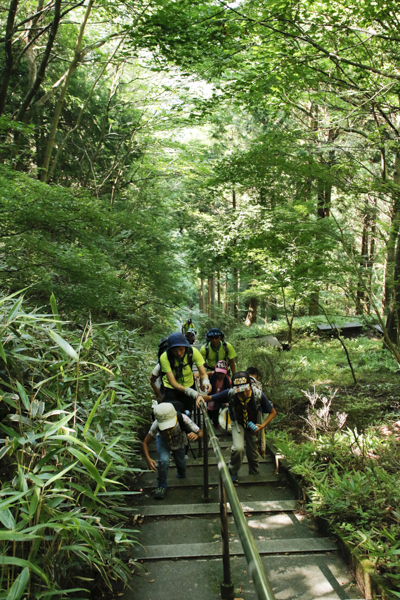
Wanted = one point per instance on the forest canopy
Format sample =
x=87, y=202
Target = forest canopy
x=188, y=147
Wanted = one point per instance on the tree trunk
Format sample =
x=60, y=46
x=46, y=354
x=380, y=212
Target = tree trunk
x=81, y=113
x=218, y=290
x=226, y=294
x=235, y=293
x=371, y=259
x=44, y=62
x=36, y=76
x=9, y=57
x=209, y=296
x=57, y=112
x=363, y=264
x=392, y=272
x=201, y=305
x=212, y=311
x=313, y=308
x=251, y=317
x=235, y=271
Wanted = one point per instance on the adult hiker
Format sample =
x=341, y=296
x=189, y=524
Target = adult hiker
x=188, y=326
x=245, y=399
x=189, y=331
x=216, y=349
x=171, y=430
x=176, y=366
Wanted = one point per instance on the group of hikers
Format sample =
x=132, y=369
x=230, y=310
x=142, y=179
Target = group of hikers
x=173, y=381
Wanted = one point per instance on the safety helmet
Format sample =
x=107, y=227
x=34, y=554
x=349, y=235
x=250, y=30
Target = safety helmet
x=189, y=321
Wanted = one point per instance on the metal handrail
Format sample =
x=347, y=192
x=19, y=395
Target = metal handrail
x=256, y=569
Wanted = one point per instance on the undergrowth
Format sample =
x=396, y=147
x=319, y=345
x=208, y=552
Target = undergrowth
x=71, y=401
x=349, y=461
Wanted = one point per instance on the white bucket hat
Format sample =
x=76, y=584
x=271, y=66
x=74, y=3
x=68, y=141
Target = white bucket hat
x=165, y=414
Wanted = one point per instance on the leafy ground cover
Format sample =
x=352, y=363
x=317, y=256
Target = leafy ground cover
x=342, y=439
x=72, y=402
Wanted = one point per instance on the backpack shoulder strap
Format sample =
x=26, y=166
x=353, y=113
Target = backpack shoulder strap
x=182, y=423
x=190, y=356
x=225, y=347
x=207, y=351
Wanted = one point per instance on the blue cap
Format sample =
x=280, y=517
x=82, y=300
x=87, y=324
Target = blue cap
x=177, y=339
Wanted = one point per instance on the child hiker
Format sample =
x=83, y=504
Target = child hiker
x=220, y=381
x=171, y=430
x=245, y=399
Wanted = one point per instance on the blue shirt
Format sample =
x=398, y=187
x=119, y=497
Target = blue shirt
x=235, y=406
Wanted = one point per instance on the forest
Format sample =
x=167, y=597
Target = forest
x=236, y=162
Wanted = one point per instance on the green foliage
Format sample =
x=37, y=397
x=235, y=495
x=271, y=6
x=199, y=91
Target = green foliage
x=72, y=402
x=69, y=244
x=348, y=477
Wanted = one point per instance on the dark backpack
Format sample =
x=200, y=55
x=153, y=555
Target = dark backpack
x=184, y=427
x=162, y=346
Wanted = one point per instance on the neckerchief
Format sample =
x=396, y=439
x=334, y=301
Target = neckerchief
x=179, y=369
x=216, y=350
x=244, y=404
x=170, y=437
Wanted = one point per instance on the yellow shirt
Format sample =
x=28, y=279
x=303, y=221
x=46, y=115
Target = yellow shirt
x=187, y=379
x=215, y=355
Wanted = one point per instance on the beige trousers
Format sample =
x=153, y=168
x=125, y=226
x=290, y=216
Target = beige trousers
x=240, y=436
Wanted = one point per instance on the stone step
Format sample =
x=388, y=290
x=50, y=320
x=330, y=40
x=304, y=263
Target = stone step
x=214, y=549
x=198, y=462
x=147, y=481
x=180, y=510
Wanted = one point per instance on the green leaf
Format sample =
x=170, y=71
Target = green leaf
x=13, y=498
x=18, y=587
x=14, y=311
x=34, y=501
x=20, y=562
x=4, y=450
x=89, y=466
x=92, y=413
x=54, y=308
x=7, y=519
x=63, y=345
x=61, y=473
x=7, y=298
x=87, y=492
x=16, y=536
x=24, y=397
x=57, y=592
x=2, y=353
x=99, y=366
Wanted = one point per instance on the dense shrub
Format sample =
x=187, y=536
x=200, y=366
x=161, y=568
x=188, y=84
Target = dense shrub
x=72, y=402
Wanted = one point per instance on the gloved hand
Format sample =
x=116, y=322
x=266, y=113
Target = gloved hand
x=206, y=385
x=191, y=393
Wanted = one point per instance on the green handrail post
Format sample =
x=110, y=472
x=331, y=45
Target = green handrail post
x=255, y=567
x=206, y=493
